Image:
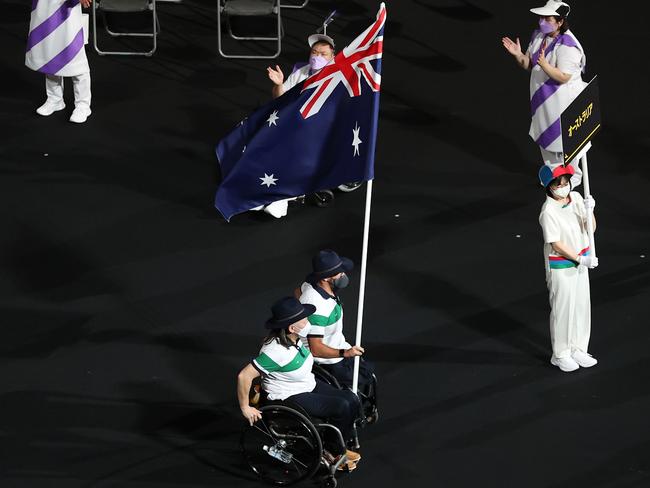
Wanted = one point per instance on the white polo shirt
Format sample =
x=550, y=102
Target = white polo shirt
x=285, y=371
x=326, y=321
x=296, y=77
x=566, y=223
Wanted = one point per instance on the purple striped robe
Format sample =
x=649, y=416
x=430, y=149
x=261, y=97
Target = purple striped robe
x=55, y=44
x=548, y=98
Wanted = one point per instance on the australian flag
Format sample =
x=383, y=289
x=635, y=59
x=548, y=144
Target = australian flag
x=318, y=135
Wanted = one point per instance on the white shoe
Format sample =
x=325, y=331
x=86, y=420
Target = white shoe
x=48, y=108
x=584, y=359
x=79, y=115
x=565, y=364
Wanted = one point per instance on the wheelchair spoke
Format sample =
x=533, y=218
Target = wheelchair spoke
x=265, y=432
x=295, y=459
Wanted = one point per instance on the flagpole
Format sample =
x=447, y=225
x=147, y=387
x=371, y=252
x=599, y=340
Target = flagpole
x=362, y=282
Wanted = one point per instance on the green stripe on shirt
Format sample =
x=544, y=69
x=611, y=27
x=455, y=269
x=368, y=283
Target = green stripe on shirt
x=267, y=363
x=297, y=361
x=323, y=321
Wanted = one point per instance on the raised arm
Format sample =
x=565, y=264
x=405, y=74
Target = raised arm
x=514, y=48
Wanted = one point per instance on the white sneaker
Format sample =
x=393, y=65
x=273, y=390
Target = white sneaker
x=565, y=364
x=584, y=359
x=80, y=115
x=48, y=108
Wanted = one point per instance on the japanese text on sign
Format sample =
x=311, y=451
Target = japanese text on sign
x=581, y=119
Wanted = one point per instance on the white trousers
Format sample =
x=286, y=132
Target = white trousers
x=570, y=310
x=554, y=159
x=80, y=86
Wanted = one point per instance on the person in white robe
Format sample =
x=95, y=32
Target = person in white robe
x=55, y=47
x=556, y=61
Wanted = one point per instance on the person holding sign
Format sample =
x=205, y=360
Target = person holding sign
x=568, y=259
x=555, y=60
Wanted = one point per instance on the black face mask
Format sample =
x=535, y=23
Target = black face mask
x=341, y=282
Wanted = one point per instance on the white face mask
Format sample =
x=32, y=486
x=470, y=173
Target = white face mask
x=302, y=333
x=562, y=192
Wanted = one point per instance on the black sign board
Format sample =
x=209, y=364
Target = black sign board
x=580, y=121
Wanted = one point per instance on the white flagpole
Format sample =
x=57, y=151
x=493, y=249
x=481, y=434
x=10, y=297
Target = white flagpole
x=590, y=213
x=362, y=282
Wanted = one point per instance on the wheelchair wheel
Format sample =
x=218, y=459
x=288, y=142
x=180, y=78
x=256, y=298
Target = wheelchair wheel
x=322, y=198
x=283, y=447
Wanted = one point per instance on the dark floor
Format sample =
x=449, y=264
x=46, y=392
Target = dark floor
x=129, y=304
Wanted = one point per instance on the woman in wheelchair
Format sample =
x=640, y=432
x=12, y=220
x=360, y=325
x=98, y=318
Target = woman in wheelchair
x=285, y=367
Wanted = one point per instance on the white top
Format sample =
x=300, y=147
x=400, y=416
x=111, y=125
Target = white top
x=326, y=321
x=296, y=77
x=285, y=371
x=299, y=76
x=566, y=223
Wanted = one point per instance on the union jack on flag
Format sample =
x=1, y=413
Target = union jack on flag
x=318, y=135
x=350, y=66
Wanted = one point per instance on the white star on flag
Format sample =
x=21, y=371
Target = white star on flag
x=272, y=118
x=355, y=140
x=268, y=180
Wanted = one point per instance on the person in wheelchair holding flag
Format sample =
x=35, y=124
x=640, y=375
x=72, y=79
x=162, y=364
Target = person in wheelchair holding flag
x=285, y=367
x=333, y=354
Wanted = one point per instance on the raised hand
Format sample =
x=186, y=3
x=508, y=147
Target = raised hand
x=511, y=46
x=275, y=75
x=86, y=3
x=590, y=203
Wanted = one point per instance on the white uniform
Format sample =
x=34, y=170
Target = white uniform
x=549, y=98
x=326, y=321
x=568, y=284
x=285, y=371
x=55, y=47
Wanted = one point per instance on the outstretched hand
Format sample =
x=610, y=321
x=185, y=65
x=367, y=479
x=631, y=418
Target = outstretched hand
x=511, y=46
x=275, y=75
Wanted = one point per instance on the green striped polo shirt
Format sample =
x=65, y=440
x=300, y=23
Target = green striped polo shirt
x=285, y=371
x=326, y=321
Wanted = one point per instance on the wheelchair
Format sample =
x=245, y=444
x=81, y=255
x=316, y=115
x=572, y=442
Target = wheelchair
x=369, y=412
x=288, y=445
